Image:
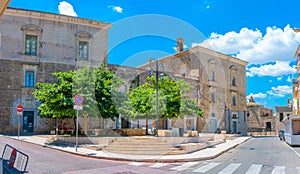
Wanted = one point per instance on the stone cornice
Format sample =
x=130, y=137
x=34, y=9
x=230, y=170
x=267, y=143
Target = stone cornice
x=199, y=49
x=3, y=5
x=55, y=17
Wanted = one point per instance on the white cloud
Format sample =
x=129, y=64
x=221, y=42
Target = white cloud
x=278, y=69
x=289, y=79
x=258, y=95
x=279, y=78
x=250, y=45
x=66, y=8
x=280, y=91
x=116, y=8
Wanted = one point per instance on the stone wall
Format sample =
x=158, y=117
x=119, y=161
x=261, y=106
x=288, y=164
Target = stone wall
x=258, y=116
x=197, y=65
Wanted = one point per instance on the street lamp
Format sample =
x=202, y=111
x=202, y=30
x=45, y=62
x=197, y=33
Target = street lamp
x=149, y=73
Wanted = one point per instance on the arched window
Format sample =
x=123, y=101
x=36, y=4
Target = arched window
x=233, y=81
x=233, y=75
x=212, y=76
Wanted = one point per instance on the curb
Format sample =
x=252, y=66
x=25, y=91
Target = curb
x=137, y=160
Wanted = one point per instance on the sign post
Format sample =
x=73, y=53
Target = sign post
x=78, y=100
x=19, y=112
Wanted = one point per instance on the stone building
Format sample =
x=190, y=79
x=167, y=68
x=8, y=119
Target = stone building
x=220, y=87
x=260, y=118
x=35, y=44
x=281, y=113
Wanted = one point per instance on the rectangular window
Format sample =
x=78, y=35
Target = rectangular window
x=83, y=50
x=29, y=79
x=31, y=45
x=233, y=101
x=212, y=97
x=280, y=117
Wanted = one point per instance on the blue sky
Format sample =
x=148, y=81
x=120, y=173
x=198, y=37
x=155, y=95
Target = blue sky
x=258, y=31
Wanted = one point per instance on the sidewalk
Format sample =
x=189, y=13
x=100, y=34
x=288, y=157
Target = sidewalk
x=204, y=154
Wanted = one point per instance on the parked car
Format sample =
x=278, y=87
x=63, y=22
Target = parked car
x=281, y=135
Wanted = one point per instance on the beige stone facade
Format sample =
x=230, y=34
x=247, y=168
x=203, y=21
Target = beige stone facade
x=281, y=113
x=35, y=44
x=218, y=81
x=260, y=118
x=220, y=87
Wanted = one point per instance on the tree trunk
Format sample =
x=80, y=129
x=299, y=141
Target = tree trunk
x=85, y=124
x=146, y=125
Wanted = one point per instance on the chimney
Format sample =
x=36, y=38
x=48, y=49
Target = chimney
x=179, y=44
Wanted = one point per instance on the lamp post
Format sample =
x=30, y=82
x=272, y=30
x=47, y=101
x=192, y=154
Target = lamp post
x=150, y=70
x=156, y=90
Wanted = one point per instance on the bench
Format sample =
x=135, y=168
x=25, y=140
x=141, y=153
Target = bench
x=13, y=160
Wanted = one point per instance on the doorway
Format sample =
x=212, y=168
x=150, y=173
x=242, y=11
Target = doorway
x=28, y=121
x=268, y=126
x=234, y=126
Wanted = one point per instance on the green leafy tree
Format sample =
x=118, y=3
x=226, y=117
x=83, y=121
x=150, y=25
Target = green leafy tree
x=56, y=98
x=173, y=99
x=93, y=84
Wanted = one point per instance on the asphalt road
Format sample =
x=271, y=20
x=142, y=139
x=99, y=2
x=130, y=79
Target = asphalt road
x=43, y=160
x=258, y=155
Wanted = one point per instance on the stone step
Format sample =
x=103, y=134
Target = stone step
x=140, y=140
x=138, y=148
x=154, y=152
x=141, y=145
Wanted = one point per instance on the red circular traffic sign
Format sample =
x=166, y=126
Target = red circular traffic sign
x=19, y=108
x=78, y=100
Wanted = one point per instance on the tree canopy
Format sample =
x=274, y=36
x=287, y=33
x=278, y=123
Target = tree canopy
x=93, y=84
x=173, y=100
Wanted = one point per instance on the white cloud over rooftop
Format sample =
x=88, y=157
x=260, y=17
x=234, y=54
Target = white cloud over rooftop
x=278, y=69
x=116, y=8
x=254, y=47
x=280, y=91
x=66, y=8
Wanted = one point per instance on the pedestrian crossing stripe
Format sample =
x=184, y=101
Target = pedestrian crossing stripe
x=158, y=165
x=184, y=166
x=136, y=164
x=207, y=166
x=278, y=170
x=230, y=168
x=254, y=169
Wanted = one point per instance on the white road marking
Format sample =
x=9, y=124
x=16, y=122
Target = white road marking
x=230, y=168
x=158, y=165
x=254, y=169
x=278, y=170
x=206, y=167
x=184, y=166
x=136, y=164
x=298, y=169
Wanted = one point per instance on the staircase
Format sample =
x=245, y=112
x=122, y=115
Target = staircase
x=142, y=146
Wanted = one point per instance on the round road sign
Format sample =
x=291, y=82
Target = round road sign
x=19, y=108
x=78, y=100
